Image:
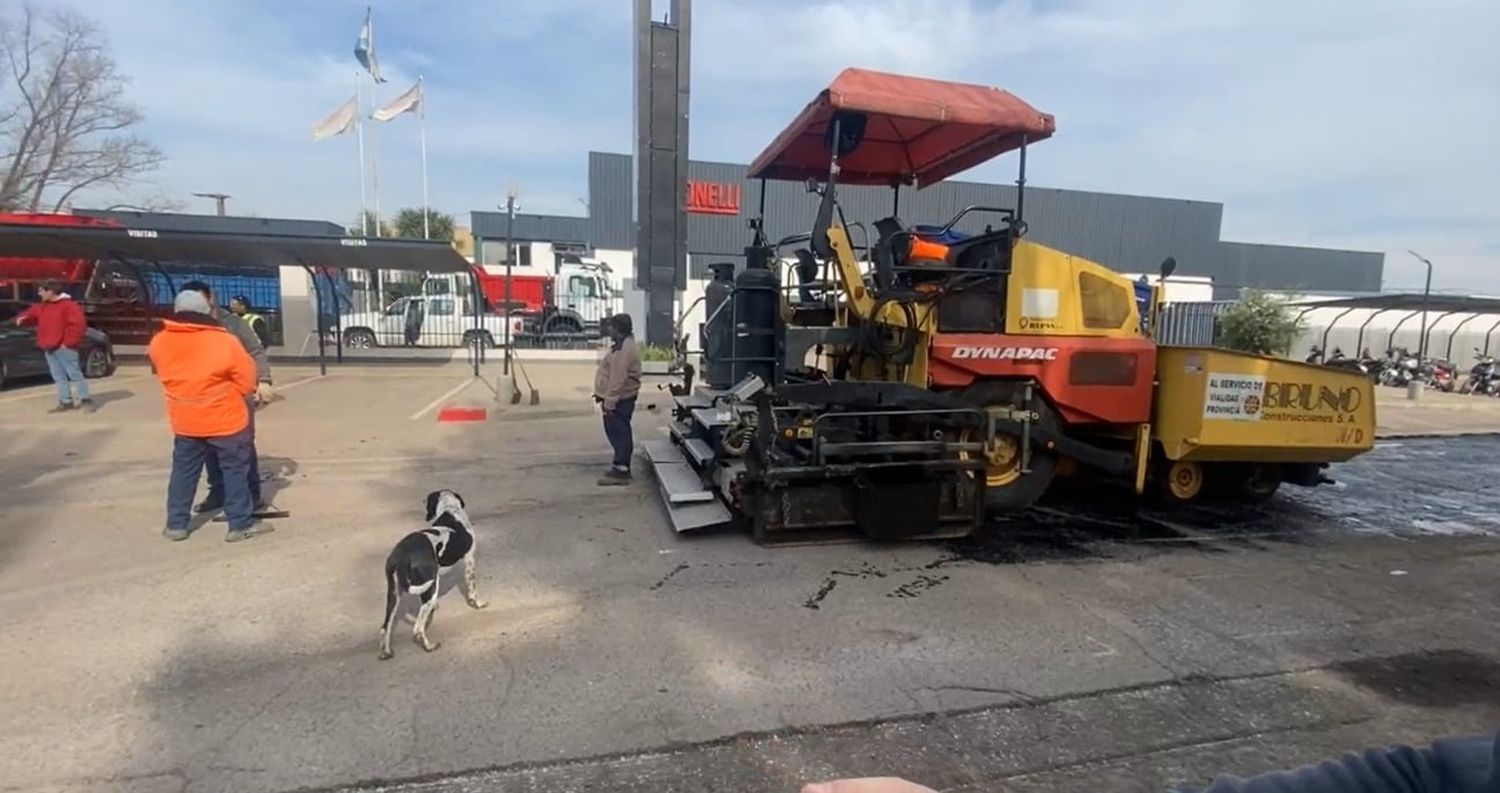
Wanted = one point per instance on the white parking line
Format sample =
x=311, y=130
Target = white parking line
x=440, y=400
x=51, y=391
x=296, y=383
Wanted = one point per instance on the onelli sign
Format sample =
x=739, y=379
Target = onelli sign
x=713, y=198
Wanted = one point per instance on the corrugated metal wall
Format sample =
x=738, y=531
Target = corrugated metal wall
x=1287, y=268
x=1124, y=232
x=611, y=214
x=533, y=228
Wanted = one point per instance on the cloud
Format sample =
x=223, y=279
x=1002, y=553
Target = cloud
x=1343, y=123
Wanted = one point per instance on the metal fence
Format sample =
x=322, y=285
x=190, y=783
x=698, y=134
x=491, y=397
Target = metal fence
x=1190, y=324
x=407, y=309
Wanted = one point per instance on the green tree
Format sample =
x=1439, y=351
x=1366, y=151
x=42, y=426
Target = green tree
x=408, y=224
x=1259, y=323
x=368, y=222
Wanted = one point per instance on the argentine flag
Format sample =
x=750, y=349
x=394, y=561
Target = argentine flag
x=364, y=49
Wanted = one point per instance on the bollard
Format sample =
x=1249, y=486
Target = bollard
x=1414, y=390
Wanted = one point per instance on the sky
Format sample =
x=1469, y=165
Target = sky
x=1360, y=124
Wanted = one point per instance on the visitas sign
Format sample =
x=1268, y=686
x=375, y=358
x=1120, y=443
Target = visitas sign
x=713, y=198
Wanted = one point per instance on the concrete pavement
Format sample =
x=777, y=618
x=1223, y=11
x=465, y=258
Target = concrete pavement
x=1434, y=413
x=147, y=665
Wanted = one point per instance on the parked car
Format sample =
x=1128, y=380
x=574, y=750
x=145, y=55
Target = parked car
x=425, y=321
x=20, y=358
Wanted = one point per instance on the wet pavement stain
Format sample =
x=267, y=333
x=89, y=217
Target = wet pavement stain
x=815, y=602
x=668, y=577
x=916, y=586
x=866, y=571
x=1436, y=679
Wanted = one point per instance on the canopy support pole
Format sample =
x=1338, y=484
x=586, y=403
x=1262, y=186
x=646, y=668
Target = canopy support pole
x=1021, y=184
x=1487, y=336
x=1359, y=340
x=1448, y=353
x=1390, y=341
x=1327, y=330
x=1427, y=335
x=318, y=312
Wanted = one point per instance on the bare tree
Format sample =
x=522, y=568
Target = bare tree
x=64, y=119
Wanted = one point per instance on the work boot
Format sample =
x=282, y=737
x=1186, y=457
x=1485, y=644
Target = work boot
x=254, y=530
x=614, y=476
x=175, y=535
x=209, y=504
x=88, y=406
x=61, y=407
x=264, y=507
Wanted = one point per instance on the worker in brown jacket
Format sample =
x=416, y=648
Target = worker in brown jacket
x=616, y=385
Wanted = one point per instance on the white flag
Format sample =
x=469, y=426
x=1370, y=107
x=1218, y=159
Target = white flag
x=338, y=122
x=409, y=102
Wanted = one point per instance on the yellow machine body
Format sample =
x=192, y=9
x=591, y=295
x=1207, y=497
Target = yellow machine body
x=1214, y=405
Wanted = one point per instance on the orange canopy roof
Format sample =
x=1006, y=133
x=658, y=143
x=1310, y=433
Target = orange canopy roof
x=917, y=128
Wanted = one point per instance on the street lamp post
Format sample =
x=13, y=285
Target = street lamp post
x=1426, y=297
x=219, y=199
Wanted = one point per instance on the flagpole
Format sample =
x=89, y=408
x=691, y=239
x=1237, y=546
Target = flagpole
x=359, y=129
x=422, y=131
x=375, y=166
x=374, y=138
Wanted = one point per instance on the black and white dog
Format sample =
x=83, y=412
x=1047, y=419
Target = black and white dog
x=420, y=558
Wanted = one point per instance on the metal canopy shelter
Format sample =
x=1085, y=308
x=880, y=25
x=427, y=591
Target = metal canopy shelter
x=1415, y=303
x=240, y=252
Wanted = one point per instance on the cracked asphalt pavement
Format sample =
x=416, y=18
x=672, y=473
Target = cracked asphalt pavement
x=1088, y=645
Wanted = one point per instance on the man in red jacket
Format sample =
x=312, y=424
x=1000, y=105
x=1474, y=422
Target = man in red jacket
x=59, y=332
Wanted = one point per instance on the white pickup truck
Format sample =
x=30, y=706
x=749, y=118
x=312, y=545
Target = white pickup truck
x=426, y=321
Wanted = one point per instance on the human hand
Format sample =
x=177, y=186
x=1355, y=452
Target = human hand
x=265, y=394
x=867, y=785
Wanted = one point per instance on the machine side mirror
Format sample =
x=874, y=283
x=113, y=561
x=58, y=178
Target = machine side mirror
x=1168, y=266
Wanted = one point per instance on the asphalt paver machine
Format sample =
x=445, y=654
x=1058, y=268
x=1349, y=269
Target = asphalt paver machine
x=911, y=381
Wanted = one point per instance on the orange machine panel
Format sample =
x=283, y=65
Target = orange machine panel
x=1090, y=380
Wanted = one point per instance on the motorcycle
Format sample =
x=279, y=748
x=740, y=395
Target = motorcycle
x=1484, y=377
x=1401, y=367
x=1338, y=360
x=1440, y=374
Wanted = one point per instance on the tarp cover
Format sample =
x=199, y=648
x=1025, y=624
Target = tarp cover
x=920, y=129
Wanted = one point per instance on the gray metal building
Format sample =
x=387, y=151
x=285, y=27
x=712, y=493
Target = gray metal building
x=1124, y=232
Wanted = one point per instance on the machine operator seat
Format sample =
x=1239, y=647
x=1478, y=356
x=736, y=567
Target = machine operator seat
x=898, y=247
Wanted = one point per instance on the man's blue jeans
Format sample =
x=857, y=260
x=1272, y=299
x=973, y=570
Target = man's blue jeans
x=188, y=457
x=216, y=471
x=617, y=430
x=63, y=364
